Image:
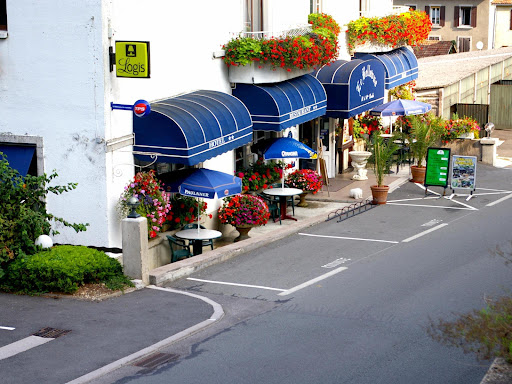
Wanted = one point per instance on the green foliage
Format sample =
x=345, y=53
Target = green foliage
x=62, y=269
x=184, y=210
x=23, y=214
x=486, y=332
x=423, y=135
x=382, y=153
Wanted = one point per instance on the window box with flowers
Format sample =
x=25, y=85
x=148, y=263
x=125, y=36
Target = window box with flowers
x=244, y=212
x=306, y=179
x=255, y=61
x=154, y=203
x=382, y=34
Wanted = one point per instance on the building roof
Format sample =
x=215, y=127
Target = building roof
x=433, y=48
x=501, y=2
x=441, y=71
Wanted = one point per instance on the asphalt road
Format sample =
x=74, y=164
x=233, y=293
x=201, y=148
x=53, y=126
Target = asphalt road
x=349, y=302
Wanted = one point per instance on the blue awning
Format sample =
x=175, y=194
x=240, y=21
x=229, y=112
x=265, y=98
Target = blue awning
x=192, y=128
x=352, y=87
x=401, y=65
x=19, y=156
x=278, y=106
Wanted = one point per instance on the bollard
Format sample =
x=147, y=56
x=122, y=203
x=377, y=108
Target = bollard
x=135, y=248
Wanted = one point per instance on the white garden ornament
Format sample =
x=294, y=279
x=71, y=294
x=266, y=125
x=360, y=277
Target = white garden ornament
x=44, y=241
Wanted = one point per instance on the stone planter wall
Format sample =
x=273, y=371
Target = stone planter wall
x=464, y=147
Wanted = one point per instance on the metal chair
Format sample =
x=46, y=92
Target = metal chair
x=290, y=202
x=179, y=249
x=273, y=206
x=206, y=243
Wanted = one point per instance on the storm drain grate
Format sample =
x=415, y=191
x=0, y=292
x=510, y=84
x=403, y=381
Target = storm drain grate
x=50, y=333
x=156, y=359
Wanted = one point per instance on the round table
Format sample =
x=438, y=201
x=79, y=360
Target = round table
x=283, y=193
x=197, y=237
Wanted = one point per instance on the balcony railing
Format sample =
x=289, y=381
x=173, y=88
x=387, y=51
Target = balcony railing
x=292, y=32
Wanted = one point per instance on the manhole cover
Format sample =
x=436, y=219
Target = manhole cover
x=50, y=333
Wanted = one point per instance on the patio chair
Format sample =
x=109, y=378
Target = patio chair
x=290, y=202
x=403, y=154
x=206, y=243
x=179, y=249
x=273, y=206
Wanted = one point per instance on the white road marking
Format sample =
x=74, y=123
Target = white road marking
x=499, y=200
x=22, y=346
x=349, y=238
x=431, y=223
x=236, y=284
x=336, y=262
x=424, y=233
x=313, y=281
x=8, y=328
x=436, y=206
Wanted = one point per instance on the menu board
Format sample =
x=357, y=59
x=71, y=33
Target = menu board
x=463, y=172
x=438, y=163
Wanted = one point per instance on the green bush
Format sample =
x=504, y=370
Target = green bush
x=63, y=269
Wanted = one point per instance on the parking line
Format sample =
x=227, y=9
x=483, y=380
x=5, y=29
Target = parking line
x=236, y=284
x=313, y=281
x=499, y=200
x=8, y=328
x=424, y=232
x=349, y=238
x=22, y=346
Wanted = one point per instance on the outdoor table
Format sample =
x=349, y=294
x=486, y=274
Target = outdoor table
x=197, y=237
x=283, y=194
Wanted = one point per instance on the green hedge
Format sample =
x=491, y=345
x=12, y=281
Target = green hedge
x=63, y=269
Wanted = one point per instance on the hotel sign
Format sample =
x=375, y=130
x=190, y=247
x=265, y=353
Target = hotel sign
x=132, y=59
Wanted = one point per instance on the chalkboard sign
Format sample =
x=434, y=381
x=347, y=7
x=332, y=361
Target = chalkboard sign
x=438, y=163
x=463, y=172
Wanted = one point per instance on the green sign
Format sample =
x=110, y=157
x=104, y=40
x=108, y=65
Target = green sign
x=132, y=59
x=438, y=164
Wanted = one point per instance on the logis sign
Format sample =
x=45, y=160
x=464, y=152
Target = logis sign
x=131, y=59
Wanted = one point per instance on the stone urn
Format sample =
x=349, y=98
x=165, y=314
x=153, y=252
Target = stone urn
x=359, y=160
x=243, y=231
x=303, y=202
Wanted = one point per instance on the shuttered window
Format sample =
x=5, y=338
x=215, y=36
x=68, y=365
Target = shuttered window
x=3, y=15
x=464, y=16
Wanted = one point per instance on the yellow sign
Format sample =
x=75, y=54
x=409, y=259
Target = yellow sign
x=132, y=58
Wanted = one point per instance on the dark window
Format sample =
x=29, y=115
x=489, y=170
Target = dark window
x=464, y=16
x=3, y=15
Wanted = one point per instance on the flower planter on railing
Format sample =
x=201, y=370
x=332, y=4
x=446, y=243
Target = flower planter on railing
x=255, y=73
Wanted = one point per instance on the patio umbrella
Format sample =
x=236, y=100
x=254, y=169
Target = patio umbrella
x=288, y=148
x=207, y=183
x=401, y=107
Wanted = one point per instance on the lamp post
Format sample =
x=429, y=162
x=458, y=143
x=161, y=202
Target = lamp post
x=489, y=127
x=133, y=203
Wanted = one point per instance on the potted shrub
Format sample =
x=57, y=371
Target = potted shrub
x=424, y=133
x=244, y=212
x=306, y=179
x=382, y=153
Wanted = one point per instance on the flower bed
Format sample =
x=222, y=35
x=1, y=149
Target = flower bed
x=456, y=127
x=260, y=175
x=239, y=210
x=305, y=179
x=311, y=50
x=408, y=28
x=154, y=204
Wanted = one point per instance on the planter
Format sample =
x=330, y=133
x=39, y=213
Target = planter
x=380, y=194
x=371, y=47
x=303, y=203
x=418, y=174
x=244, y=232
x=469, y=135
x=253, y=74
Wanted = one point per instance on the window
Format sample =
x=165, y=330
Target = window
x=436, y=13
x=253, y=15
x=464, y=16
x=364, y=7
x=437, y=38
x=315, y=6
x=3, y=15
x=413, y=7
x=463, y=44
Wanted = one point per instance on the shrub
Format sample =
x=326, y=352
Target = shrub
x=62, y=269
x=23, y=214
x=244, y=210
x=486, y=332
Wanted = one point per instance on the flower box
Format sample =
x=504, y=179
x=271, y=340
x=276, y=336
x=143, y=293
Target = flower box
x=373, y=47
x=254, y=73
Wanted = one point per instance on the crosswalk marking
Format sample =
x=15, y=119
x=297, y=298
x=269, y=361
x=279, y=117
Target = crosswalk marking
x=22, y=346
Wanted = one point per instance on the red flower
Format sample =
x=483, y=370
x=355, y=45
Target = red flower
x=152, y=234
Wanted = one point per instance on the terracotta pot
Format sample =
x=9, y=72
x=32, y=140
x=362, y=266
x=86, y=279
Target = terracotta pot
x=380, y=194
x=303, y=202
x=244, y=232
x=418, y=174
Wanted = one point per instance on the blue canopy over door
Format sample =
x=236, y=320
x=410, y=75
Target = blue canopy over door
x=278, y=106
x=19, y=156
x=192, y=128
x=352, y=86
x=400, y=64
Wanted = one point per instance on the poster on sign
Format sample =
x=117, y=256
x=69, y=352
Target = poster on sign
x=463, y=174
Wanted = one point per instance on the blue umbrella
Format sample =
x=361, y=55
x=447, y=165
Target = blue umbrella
x=288, y=148
x=401, y=107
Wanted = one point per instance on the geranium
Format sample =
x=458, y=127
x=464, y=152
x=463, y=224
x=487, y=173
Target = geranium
x=311, y=50
x=456, y=127
x=154, y=202
x=184, y=210
x=241, y=210
x=366, y=125
x=305, y=179
x=261, y=174
x=408, y=28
